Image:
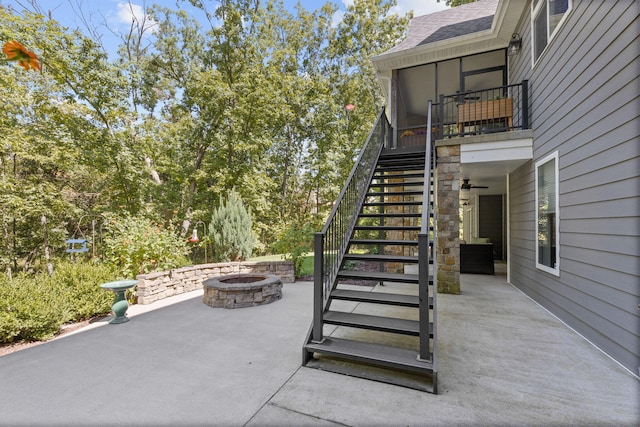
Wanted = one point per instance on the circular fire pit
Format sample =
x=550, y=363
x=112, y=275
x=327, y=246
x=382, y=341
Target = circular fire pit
x=242, y=290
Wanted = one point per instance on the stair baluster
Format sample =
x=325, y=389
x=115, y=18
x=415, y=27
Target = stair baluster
x=376, y=212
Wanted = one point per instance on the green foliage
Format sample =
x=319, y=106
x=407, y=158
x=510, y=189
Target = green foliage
x=296, y=241
x=34, y=307
x=306, y=267
x=230, y=230
x=254, y=101
x=136, y=245
x=454, y=3
x=81, y=282
x=30, y=309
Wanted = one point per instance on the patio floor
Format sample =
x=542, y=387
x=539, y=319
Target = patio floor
x=503, y=360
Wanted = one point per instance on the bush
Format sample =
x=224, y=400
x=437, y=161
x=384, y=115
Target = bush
x=30, y=309
x=136, y=245
x=230, y=230
x=82, y=284
x=34, y=307
x=296, y=241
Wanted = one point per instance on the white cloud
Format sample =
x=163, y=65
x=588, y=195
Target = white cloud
x=129, y=12
x=419, y=7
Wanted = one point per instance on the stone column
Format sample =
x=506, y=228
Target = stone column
x=448, y=219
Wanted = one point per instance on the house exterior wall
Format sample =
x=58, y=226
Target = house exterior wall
x=584, y=104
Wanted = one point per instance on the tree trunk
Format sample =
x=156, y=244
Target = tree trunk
x=47, y=258
x=154, y=173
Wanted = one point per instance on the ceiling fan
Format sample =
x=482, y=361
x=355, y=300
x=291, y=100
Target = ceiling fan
x=466, y=186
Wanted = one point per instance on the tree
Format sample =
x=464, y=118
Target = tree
x=454, y=3
x=251, y=97
x=230, y=229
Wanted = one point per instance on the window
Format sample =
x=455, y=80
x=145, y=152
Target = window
x=546, y=18
x=547, y=218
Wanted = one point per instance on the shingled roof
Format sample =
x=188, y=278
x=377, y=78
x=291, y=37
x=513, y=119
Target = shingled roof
x=447, y=24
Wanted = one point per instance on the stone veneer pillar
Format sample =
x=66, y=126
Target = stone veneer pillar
x=448, y=219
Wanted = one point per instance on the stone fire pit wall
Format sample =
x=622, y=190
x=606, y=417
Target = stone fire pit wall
x=163, y=284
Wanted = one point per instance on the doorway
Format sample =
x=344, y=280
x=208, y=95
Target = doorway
x=491, y=224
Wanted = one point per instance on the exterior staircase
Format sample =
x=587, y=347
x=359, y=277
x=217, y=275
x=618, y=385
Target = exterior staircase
x=374, y=303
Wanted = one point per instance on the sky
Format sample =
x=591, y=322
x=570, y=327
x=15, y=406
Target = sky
x=117, y=14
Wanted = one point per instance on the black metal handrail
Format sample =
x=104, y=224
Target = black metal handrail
x=498, y=109
x=332, y=242
x=426, y=240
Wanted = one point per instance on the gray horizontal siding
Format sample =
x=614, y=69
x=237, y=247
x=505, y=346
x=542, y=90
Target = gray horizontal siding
x=613, y=208
x=618, y=160
x=584, y=104
x=603, y=191
x=622, y=226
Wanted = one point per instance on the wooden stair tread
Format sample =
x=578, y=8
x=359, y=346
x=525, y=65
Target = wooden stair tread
x=392, y=204
x=389, y=242
x=376, y=297
x=398, y=184
x=378, y=275
x=391, y=215
x=380, y=257
x=394, y=193
x=375, y=323
x=376, y=354
x=399, y=176
x=398, y=168
x=388, y=227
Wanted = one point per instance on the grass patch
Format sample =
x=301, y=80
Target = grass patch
x=276, y=257
x=306, y=269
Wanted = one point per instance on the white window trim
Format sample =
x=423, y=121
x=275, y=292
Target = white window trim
x=555, y=271
x=535, y=7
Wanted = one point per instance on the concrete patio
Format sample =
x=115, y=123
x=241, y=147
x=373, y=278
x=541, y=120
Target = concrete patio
x=503, y=360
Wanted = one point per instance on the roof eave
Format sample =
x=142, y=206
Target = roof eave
x=439, y=51
x=506, y=17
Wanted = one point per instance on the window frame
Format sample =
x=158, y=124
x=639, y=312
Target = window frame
x=536, y=6
x=556, y=269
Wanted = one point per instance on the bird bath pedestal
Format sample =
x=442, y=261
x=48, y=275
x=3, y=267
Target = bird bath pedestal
x=120, y=304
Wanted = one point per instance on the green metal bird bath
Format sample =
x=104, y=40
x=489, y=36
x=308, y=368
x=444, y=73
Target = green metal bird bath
x=120, y=304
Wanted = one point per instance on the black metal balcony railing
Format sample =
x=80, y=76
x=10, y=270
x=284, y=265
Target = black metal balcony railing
x=500, y=109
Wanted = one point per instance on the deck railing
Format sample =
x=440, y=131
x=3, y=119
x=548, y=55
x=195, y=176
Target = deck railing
x=332, y=242
x=499, y=109
x=427, y=241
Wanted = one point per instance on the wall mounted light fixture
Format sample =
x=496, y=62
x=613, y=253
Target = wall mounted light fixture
x=514, y=45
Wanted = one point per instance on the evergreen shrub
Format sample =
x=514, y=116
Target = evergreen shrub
x=231, y=230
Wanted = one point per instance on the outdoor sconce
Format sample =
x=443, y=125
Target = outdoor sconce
x=514, y=45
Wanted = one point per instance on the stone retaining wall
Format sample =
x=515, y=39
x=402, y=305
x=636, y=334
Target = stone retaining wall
x=162, y=284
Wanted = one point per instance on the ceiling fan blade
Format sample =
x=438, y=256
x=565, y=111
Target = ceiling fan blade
x=466, y=186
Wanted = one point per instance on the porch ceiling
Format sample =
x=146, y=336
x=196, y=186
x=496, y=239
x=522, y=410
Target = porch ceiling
x=487, y=159
x=490, y=174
